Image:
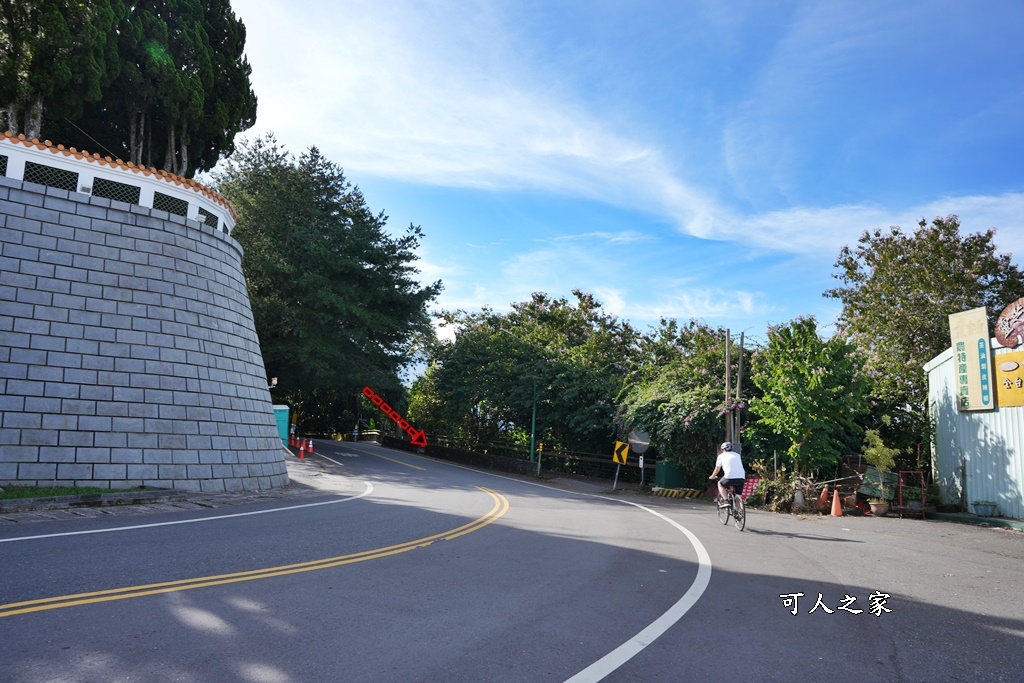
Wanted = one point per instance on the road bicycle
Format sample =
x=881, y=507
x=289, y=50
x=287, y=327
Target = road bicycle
x=733, y=507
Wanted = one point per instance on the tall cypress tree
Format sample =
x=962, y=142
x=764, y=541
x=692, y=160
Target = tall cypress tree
x=229, y=105
x=55, y=57
x=157, y=82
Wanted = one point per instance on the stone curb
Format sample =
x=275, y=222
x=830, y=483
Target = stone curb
x=677, y=493
x=91, y=500
x=100, y=500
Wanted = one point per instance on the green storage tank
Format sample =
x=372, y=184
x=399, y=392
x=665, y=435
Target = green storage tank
x=668, y=475
x=281, y=413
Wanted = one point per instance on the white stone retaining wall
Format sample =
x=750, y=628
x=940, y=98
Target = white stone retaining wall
x=128, y=354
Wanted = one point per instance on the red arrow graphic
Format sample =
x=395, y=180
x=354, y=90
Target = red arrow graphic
x=419, y=437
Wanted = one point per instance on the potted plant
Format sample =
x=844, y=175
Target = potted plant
x=880, y=503
x=883, y=459
x=984, y=508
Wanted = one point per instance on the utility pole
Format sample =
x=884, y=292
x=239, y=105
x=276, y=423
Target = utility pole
x=739, y=394
x=728, y=364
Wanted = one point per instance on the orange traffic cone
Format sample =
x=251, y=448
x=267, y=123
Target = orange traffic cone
x=302, y=450
x=310, y=449
x=823, y=500
x=837, y=508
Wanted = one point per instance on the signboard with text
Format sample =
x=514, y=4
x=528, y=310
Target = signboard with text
x=1010, y=379
x=972, y=360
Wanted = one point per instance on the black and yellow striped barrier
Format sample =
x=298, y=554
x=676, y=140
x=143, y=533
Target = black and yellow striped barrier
x=677, y=493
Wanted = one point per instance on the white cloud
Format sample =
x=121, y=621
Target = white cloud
x=447, y=94
x=623, y=237
x=401, y=91
x=444, y=333
x=811, y=230
x=977, y=214
x=695, y=303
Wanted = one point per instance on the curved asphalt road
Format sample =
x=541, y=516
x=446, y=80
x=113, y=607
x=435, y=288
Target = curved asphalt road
x=411, y=569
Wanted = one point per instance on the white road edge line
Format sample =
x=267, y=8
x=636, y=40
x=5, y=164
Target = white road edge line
x=368, y=491
x=632, y=647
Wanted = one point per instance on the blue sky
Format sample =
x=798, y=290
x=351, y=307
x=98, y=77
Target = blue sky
x=680, y=159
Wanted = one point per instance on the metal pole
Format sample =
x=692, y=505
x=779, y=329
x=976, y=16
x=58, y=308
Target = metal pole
x=533, y=426
x=739, y=379
x=533, y=421
x=728, y=411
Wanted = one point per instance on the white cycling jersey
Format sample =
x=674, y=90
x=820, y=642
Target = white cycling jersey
x=731, y=464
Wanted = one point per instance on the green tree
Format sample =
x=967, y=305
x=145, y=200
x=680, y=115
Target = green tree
x=881, y=457
x=183, y=92
x=812, y=394
x=335, y=298
x=677, y=393
x=482, y=383
x=427, y=410
x=464, y=391
x=122, y=122
x=899, y=291
x=152, y=82
x=55, y=56
x=229, y=104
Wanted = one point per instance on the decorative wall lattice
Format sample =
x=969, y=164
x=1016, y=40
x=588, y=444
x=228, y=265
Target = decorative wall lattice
x=57, y=167
x=119, y=192
x=210, y=218
x=51, y=177
x=172, y=205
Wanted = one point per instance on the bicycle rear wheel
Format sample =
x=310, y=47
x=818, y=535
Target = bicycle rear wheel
x=723, y=511
x=739, y=512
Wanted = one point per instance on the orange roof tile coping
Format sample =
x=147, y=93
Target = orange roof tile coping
x=127, y=166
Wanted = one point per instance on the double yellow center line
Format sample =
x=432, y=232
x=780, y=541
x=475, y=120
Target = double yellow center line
x=501, y=506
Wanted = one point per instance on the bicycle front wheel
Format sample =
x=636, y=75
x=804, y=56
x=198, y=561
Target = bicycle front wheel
x=723, y=512
x=739, y=512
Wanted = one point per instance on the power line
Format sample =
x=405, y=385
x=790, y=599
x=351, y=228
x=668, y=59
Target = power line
x=91, y=138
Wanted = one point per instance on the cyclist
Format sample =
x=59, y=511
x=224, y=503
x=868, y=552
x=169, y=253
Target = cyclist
x=731, y=466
